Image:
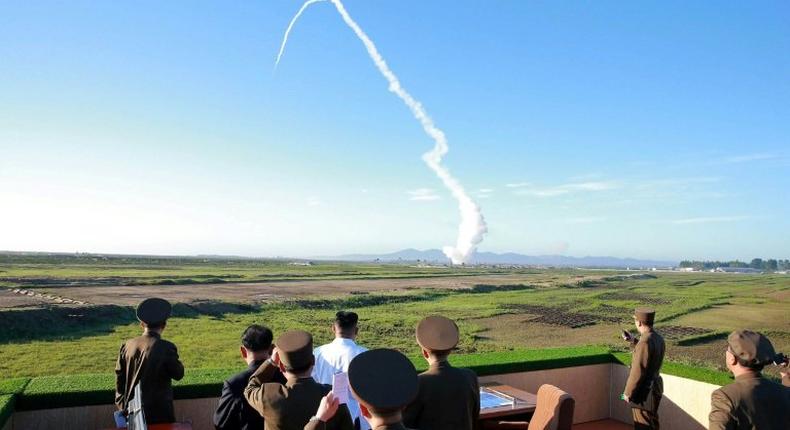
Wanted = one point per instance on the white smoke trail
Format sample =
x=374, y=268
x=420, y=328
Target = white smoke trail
x=473, y=225
x=290, y=26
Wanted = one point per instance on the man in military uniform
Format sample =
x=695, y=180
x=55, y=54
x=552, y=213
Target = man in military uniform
x=383, y=381
x=233, y=412
x=289, y=406
x=644, y=387
x=448, y=398
x=150, y=361
x=751, y=402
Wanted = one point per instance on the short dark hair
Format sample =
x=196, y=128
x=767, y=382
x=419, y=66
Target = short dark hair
x=257, y=338
x=753, y=365
x=346, y=320
x=156, y=326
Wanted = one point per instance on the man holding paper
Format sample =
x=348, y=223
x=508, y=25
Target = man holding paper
x=290, y=406
x=332, y=361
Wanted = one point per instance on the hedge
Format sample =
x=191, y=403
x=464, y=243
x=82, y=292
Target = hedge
x=13, y=386
x=683, y=370
x=6, y=408
x=48, y=392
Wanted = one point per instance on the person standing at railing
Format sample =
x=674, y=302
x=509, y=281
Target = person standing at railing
x=751, y=402
x=334, y=358
x=449, y=397
x=233, y=412
x=644, y=387
x=290, y=406
x=150, y=361
x=383, y=381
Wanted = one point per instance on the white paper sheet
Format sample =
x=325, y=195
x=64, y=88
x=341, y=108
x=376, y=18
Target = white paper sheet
x=340, y=386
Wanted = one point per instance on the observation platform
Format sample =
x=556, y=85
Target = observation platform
x=594, y=376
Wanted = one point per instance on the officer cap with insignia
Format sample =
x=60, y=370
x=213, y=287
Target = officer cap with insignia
x=383, y=380
x=295, y=348
x=437, y=333
x=154, y=311
x=645, y=315
x=750, y=347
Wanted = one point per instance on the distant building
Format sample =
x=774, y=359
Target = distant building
x=687, y=269
x=737, y=270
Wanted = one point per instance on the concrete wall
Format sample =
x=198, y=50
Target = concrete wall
x=596, y=388
x=685, y=405
x=197, y=411
x=589, y=386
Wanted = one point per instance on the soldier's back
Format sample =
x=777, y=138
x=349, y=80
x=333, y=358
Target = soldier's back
x=751, y=403
x=152, y=362
x=448, y=399
x=290, y=406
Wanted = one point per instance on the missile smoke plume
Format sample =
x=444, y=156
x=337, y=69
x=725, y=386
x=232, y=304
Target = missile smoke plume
x=473, y=225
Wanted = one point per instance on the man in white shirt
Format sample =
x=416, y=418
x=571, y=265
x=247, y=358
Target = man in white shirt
x=335, y=357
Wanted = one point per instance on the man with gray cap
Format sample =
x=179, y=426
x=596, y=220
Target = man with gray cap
x=290, y=406
x=449, y=397
x=150, y=361
x=751, y=402
x=644, y=387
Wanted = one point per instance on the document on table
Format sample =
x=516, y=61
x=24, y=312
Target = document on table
x=340, y=386
x=493, y=400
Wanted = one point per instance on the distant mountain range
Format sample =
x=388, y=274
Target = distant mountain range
x=436, y=256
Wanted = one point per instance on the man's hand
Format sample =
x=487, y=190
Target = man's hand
x=625, y=398
x=327, y=407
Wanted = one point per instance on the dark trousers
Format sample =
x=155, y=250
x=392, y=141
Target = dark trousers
x=647, y=419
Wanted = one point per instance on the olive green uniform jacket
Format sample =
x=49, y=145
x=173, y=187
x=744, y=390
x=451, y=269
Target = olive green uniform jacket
x=290, y=406
x=448, y=399
x=644, y=386
x=750, y=403
x=153, y=362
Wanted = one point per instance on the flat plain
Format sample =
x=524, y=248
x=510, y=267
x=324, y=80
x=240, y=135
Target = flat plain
x=68, y=315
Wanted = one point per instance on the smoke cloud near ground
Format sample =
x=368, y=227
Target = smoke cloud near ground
x=472, y=226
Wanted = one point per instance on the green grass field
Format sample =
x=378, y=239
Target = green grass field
x=538, y=312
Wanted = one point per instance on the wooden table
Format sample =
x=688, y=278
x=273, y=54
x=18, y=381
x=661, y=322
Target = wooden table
x=525, y=402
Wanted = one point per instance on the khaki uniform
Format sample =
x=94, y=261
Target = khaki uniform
x=448, y=399
x=645, y=387
x=290, y=406
x=750, y=403
x=153, y=362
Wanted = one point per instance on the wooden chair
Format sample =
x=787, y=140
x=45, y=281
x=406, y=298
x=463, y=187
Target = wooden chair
x=554, y=411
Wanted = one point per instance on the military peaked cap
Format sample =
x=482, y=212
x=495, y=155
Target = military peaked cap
x=383, y=379
x=437, y=333
x=154, y=311
x=751, y=347
x=295, y=348
x=645, y=315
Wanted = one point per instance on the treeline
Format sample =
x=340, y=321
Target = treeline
x=769, y=265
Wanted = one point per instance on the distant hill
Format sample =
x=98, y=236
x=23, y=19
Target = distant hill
x=436, y=256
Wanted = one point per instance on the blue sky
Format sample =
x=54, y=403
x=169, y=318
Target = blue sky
x=654, y=130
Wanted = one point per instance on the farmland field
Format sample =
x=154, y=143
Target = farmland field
x=65, y=315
